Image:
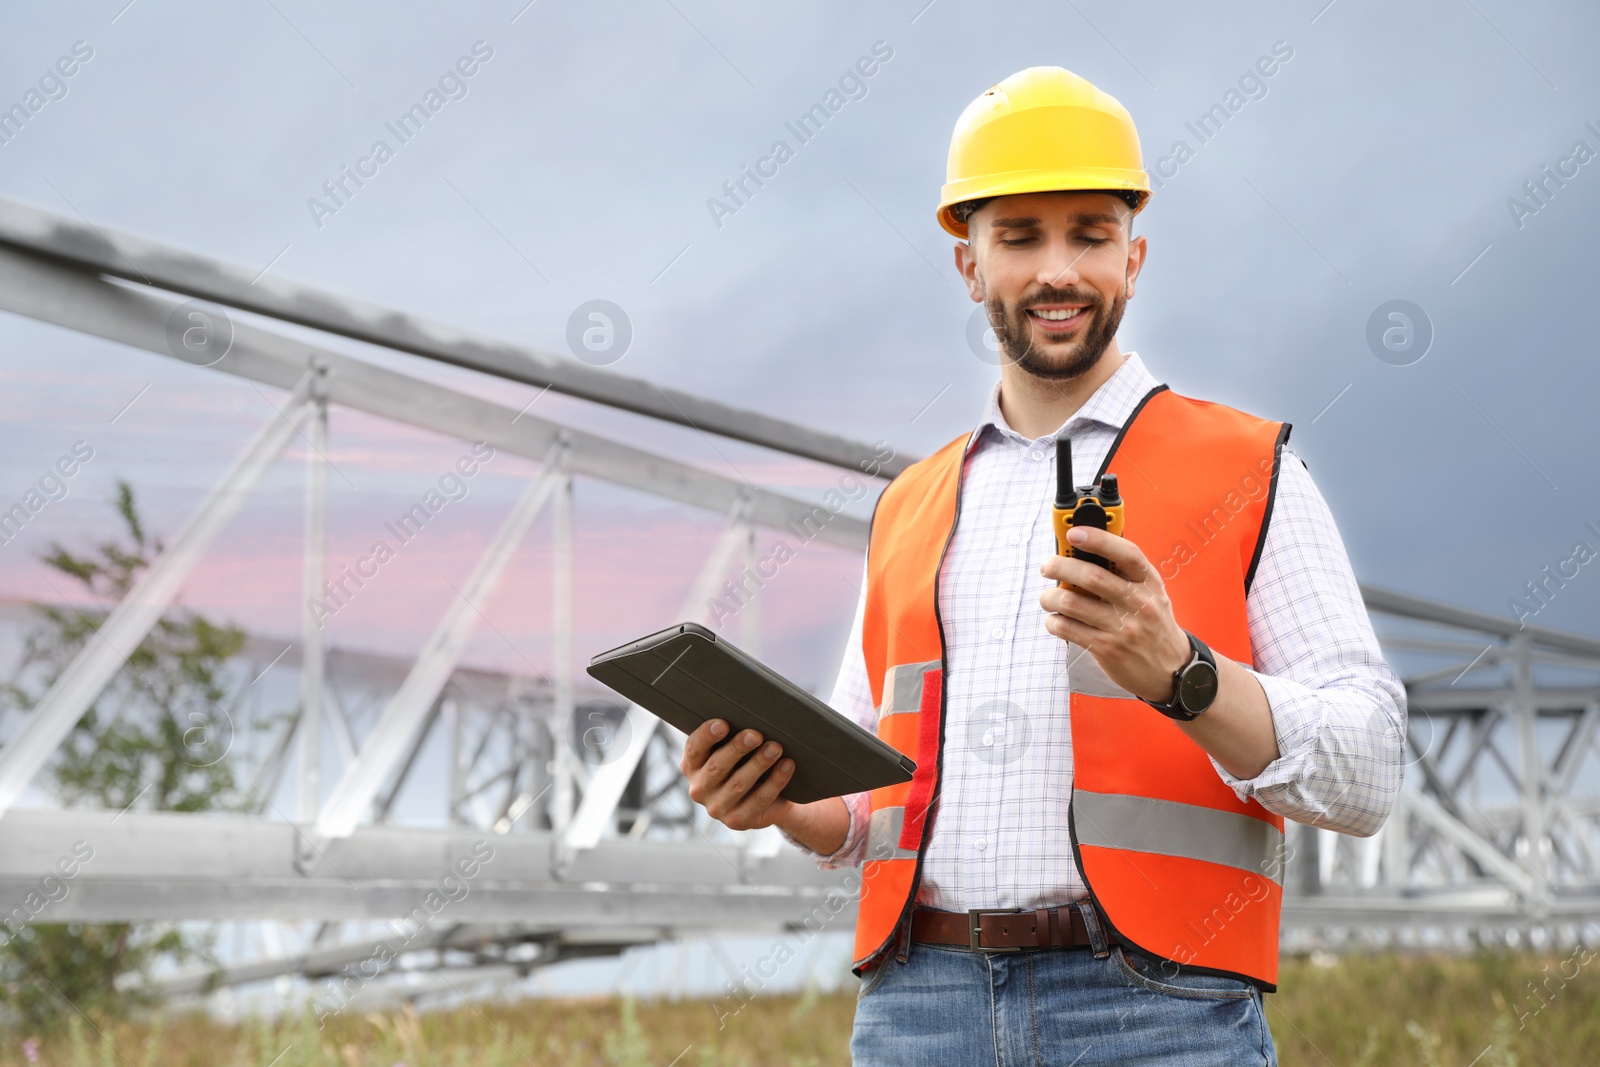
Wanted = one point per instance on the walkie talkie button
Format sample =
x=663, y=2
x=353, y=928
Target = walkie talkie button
x=1090, y=514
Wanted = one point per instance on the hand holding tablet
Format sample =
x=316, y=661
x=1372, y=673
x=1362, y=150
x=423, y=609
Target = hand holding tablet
x=687, y=675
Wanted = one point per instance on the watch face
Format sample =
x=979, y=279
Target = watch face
x=1198, y=686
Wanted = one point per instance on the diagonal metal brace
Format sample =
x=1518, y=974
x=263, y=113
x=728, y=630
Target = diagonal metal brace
x=387, y=743
x=82, y=682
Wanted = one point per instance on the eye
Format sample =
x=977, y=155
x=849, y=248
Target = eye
x=1095, y=240
x=1016, y=242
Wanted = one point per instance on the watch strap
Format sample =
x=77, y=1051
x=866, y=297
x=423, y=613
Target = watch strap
x=1174, y=708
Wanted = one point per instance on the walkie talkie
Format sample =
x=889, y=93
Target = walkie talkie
x=1097, y=505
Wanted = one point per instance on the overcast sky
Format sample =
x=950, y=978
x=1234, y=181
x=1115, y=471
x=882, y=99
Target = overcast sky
x=1380, y=161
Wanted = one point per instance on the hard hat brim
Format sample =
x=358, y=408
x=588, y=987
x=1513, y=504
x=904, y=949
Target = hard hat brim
x=1077, y=180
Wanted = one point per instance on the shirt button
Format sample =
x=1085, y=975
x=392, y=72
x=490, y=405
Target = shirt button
x=1015, y=538
x=998, y=632
x=980, y=844
x=1036, y=455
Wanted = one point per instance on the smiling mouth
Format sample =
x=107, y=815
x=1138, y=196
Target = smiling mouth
x=1057, y=320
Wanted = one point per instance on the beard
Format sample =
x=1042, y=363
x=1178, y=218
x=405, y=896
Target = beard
x=1014, y=330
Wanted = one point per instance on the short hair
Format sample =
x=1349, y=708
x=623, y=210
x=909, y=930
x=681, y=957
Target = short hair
x=965, y=209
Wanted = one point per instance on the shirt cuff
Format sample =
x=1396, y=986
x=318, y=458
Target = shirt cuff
x=1297, y=715
x=855, y=804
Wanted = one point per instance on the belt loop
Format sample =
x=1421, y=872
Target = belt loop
x=904, y=949
x=1091, y=923
x=1055, y=929
x=1042, y=927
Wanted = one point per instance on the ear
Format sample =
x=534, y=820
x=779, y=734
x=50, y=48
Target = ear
x=1136, y=253
x=967, y=267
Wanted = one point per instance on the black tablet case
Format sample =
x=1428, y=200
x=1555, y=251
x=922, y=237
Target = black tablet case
x=685, y=674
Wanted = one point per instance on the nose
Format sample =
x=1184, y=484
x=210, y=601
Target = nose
x=1059, y=267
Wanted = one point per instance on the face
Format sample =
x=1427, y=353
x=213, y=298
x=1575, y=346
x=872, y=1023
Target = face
x=1054, y=271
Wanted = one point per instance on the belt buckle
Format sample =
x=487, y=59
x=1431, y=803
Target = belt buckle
x=974, y=915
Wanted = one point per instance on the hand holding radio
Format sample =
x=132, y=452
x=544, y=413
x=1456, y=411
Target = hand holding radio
x=1125, y=621
x=1097, y=505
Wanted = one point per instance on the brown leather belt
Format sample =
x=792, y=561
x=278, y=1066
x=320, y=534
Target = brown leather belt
x=1001, y=929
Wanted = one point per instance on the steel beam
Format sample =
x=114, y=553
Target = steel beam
x=559, y=723
x=749, y=629
x=389, y=738
x=327, y=960
x=1579, y=743
x=386, y=804
x=42, y=290
x=82, y=681
x=1527, y=712
x=1396, y=834
x=311, y=651
x=1429, y=811
x=1467, y=907
x=103, y=250
x=1414, y=607
x=344, y=740
x=1477, y=701
x=167, y=866
x=163, y=866
x=264, y=782
x=605, y=787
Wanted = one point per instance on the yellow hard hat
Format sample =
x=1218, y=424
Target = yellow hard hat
x=1041, y=130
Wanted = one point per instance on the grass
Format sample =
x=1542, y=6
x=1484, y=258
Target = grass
x=1432, y=1011
x=1437, y=1011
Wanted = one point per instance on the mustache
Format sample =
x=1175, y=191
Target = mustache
x=1051, y=295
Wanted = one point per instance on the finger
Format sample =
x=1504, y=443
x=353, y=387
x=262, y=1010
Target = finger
x=1074, y=572
x=727, y=756
x=743, y=780
x=1096, y=581
x=1082, y=575
x=755, y=807
x=698, y=745
x=1058, y=567
x=1072, y=630
x=1081, y=607
x=1130, y=561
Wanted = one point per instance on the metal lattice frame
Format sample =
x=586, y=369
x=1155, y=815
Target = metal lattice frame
x=1499, y=825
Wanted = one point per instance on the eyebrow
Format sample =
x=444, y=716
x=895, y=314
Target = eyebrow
x=1083, y=218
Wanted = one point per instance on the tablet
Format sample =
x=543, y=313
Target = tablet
x=685, y=674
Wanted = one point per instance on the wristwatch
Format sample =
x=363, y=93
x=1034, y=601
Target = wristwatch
x=1194, y=685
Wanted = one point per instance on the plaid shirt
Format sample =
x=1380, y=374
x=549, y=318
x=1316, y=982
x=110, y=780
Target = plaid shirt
x=999, y=837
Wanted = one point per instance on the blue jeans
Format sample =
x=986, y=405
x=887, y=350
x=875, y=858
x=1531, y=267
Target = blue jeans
x=952, y=1007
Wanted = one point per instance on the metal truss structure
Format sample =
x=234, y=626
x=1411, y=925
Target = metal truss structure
x=1498, y=828
x=593, y=845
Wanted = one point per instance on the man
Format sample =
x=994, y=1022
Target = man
x=1088, y=866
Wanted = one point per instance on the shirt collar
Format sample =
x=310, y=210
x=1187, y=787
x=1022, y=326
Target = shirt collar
x=1111, y=405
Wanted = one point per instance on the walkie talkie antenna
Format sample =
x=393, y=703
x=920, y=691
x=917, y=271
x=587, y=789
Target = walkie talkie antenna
x=1066, y=492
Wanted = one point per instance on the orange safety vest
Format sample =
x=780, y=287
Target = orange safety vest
x=1180, y=868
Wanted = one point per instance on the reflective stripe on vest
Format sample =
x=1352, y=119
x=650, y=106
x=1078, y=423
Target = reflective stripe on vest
x=1180, y=867
x=1132, y=823
x=1168, y=828
x=883, y=835
x=899, y=723
x=903, y=688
